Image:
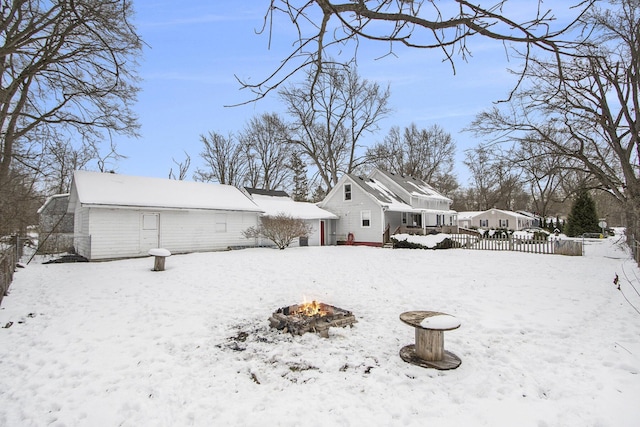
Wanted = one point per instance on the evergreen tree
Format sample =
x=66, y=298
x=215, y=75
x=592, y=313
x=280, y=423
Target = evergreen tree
x=318, y=194
x=583, y=217
x=300, y=183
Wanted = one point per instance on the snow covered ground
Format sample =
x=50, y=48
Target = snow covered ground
x=546, y=340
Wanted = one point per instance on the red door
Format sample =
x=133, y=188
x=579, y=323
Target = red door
x=321, y=233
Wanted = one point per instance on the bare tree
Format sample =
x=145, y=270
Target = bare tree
x=66, y=68
x=62, y=159
x=543, y=173
x=427, y=154
x=107, y=159
x=265, y=141
x=325, y=28
x=183, y=168
x=485, y=182
x=587, y=112
x=19, y=202
x=224, y=159
x=331, y=113
x=496, y=184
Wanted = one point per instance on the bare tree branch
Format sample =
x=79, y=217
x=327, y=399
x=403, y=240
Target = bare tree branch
x=67, y=66
x=324, y=27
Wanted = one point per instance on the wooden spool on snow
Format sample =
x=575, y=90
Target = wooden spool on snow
x=160, y=255
x=428, y=351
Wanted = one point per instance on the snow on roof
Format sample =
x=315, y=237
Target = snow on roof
x=469, y=214
x=383, y=195
x=414, y=186
x=51, y=199
x=274, y=205
x=95, y=188
x=473, y=214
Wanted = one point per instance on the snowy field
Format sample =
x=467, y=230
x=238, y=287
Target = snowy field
x=546, y=340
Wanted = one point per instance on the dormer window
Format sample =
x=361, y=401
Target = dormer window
x=347, y=191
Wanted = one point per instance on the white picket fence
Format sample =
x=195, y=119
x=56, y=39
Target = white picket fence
x=510, y=243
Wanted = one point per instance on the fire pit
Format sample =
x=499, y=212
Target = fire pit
x=313, y=316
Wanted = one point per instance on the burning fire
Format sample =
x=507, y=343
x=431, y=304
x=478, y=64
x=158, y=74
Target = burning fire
x=312, y=308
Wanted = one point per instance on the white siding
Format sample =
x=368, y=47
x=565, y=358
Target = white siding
x=82, y=240
x=193, y=231
x=494, y=217
x=349, y=213
x=117, y=233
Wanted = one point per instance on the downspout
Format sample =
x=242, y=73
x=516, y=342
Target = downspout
x=383, y=223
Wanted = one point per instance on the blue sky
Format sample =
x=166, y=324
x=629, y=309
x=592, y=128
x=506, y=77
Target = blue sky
x=195, y=47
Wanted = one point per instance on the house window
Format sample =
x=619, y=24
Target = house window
x=484, y=223
x=221, y=223
x=365, y=218
x=347, y=191
x=149, y=221
x=503, y=223
x=416, y=220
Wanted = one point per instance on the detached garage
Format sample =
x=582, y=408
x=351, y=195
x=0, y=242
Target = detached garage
x=119, y=216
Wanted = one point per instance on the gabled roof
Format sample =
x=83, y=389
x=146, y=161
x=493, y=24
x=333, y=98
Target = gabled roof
x=107, y=189
x=274, y=205
x=413, y=186
x=382, y=194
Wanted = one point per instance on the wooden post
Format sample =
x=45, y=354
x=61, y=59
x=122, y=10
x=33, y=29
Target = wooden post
x=160, y=256
x=158, y=265
x=429, y=344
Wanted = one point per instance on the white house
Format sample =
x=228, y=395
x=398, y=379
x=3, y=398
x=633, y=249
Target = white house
x=279, y=202
x=494, y=219
x=373, y=208
x=119, y=216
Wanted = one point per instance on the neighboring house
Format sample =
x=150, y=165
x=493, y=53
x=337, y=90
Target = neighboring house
x=536, y=220
x=495, y=218
x=277, y=202
x=373, y=208
x=119, y=216
x=55, y=228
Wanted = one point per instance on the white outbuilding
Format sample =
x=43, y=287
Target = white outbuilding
x=120, y=216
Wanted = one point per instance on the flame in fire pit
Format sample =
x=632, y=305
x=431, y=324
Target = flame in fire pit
x=310, y=316
x=312, y=308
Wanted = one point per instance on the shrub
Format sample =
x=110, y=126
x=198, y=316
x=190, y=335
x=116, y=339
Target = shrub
x=281, y=229
x=405, y=244
x=446, y=243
